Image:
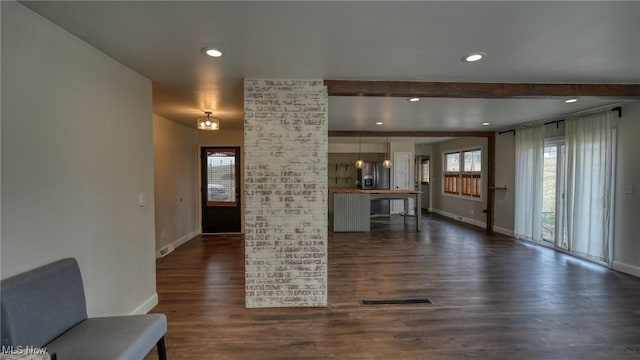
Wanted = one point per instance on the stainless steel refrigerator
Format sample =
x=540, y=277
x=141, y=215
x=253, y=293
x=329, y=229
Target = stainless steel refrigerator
x=374, y=176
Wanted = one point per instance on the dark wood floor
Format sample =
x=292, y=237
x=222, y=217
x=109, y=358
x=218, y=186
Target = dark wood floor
x=493, y=298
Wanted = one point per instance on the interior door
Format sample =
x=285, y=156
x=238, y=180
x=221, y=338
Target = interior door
x=402, y=180
x=221, y=208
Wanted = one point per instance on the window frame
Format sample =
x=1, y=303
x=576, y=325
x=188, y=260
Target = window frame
x=423, y=162
x=461, y=174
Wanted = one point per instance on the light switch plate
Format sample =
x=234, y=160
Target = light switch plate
x=141, y=200
x=628, y=188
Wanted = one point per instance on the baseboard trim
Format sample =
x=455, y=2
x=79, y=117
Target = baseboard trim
x=626, y=268
x=168, y=249
x=503, y=231
x=460, y=218
x=146, y=306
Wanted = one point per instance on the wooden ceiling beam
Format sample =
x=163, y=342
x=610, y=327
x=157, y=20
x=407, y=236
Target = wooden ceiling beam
x=478, y=89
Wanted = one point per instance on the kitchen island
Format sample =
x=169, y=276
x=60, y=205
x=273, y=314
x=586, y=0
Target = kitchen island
x=352, y=207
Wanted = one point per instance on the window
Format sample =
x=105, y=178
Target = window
x=221, y=175
x=465, y=182
x=424, y=171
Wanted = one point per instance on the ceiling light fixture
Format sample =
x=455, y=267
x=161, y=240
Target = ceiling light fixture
x=379, y=123
x=413, y=99
x=208, y=123
x=569, y=101
x=473, y=57
x=211, y=52
x=486, y=124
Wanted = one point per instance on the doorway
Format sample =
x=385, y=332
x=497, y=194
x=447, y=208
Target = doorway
x=221, y=207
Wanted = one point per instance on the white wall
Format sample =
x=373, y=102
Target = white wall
x=470, y=210
x=176, y=186
x=627, y=227
x=76, y=152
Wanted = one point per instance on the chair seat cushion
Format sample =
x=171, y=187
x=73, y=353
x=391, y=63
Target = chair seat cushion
x=110, y=338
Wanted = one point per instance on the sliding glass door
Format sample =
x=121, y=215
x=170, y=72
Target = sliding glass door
x=553, y=201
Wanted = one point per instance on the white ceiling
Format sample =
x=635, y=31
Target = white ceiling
x=534, y=41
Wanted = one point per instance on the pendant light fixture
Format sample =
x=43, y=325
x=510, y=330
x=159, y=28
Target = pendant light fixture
x=208, y=122
x=359, y=162
x=387, y=162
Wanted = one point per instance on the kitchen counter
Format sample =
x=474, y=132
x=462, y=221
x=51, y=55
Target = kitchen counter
x=352, y=207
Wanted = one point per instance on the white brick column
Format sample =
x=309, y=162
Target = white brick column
x=285, y=163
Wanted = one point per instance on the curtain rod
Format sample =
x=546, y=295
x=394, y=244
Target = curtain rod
x=617, y=108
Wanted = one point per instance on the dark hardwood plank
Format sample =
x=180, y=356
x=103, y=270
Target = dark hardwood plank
x=494, y=298
x=478, y=89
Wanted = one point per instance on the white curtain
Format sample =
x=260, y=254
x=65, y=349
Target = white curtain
x=590, y=156
x=528, y=182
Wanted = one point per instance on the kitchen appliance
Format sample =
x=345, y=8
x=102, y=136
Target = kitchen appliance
x=374, y=176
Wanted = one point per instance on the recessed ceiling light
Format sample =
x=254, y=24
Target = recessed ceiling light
x=473, y=57
x=486, y=124
x=379, y=123
x=211, y=52
x=569, y=101
x=413, y=99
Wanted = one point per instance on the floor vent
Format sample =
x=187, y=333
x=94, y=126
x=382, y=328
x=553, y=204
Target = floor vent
x=395, y=302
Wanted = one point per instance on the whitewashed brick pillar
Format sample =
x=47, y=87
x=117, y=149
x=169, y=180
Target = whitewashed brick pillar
x=285, y=163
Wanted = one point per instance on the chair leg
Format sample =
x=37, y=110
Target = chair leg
x=162, y=351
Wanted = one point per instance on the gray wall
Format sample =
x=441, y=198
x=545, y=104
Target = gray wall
x=77, y=153
x=505, y=176
x=627, y=227
x=176, y=185
x=470, y=210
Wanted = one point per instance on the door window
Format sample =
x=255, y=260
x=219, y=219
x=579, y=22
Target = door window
x=221, y=177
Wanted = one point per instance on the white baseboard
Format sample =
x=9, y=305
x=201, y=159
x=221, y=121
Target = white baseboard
x=168, y=249
x=626, y=268
x=461, y=218
x=503, y=231
x=146, y=306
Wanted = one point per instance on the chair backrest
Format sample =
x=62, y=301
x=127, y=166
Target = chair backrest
x=39, y=305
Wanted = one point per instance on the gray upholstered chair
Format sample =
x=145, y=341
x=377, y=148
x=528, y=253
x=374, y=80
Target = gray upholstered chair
x=45, y=308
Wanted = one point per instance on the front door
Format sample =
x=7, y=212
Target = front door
x=220, y=190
